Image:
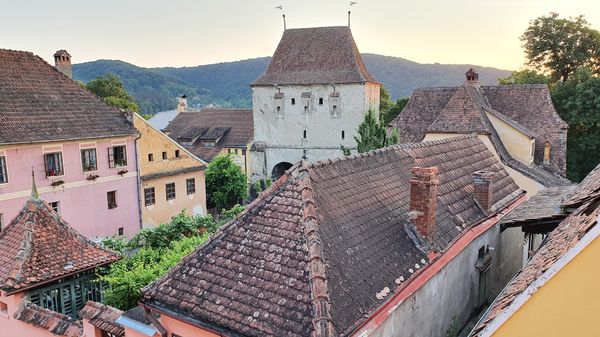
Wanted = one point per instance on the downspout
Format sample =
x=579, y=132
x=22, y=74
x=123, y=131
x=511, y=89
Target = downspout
x=138, y=179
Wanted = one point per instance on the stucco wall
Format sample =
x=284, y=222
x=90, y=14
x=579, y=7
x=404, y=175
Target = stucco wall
x=83, y=203
x=446, y=302
x=174, y=326
x=11, y=327
x=283, y=132
x=519, y=145
x=567, y=305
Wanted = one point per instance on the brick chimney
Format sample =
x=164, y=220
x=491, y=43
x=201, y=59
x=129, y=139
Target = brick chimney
x=182, y=104
x=472, y=77
x=482, y=189
x=62, y=62
x=423, y=198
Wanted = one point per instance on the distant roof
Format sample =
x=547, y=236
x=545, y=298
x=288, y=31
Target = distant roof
x=38, y=103
x=161, y=119
x=54, y=322
x=103, y=317
x=558, y=243
x=228, y=127
x=322, y=55
x=254, y=277
x=545, y=205
x=463, y=109
x=39, y=246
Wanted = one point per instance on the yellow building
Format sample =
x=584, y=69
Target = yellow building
x=557, y=292
x=171, y=177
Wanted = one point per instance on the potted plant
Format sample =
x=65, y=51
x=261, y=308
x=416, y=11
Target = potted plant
x=122, y=172
x=92, y=177
x=57, y=183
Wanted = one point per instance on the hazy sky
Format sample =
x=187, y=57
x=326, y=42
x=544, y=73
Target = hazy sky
x=192, y=32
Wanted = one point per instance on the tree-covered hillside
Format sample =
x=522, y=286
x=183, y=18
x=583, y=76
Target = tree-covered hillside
x=227, y=84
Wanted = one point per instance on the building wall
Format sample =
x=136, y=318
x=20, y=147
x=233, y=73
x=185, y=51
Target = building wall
x=174, y=326
x=283, y=133
x=9, y=326
x=519, y=145
x=83, y=203
x=524, y=182
x=153, y=141
x=567, y=305
x=163, y=210
x=443, y=305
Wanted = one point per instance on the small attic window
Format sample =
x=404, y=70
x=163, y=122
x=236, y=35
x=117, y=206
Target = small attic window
x=293, y=101
x=176, y=153
x=306, y=109
x=164, y=155
x=321, y=101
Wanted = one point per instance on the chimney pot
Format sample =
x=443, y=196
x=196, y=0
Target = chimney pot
x=482, y=189
x=472, y=77
x=423, y=199
x=182, y=104
x=62, y=62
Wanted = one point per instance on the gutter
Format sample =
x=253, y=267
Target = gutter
x=139, y=178
x=425, y=274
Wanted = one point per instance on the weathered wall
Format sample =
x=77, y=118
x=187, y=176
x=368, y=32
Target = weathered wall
x=519, y=145
x=280, y=125
x=83, y=203
x=11, y=327
x=180, y=328
x=446, y=302
x=567, y=305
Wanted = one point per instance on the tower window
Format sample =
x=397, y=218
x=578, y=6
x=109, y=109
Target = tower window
x=343, y=134
x=306, y=109
x=293, y=101
x=321, y=101
x=164, y=155
x=278, y=110
x=304, y=135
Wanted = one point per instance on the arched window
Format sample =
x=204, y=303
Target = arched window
x=547, y=153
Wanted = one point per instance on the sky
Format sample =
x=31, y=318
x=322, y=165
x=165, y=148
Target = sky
x=177, y=33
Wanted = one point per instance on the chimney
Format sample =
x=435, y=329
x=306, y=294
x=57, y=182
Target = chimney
x=423, y=198
x=182, y=104
x=482, y=189
x=62, y=63
x=472, y=77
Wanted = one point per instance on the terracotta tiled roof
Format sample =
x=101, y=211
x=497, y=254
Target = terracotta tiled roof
x=321, y=55
x=463, y=109
x=235, y=128
x=327, y=243
x=557, y=244
x=38, y=103
x=546, y=204
x=588, y=189
x=38, y=246
x=56, y=323
x=103, y=317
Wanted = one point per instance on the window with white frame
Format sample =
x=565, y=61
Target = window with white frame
x=117, y=156
x=53, y=164
x=3, y=170
x=88, y=160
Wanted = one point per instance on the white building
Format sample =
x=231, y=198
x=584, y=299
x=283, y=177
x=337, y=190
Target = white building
x=310, y=100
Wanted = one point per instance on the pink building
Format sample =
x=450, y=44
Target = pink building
x=81, y=150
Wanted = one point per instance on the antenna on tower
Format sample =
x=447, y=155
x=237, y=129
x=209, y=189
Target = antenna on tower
x=352, y=3
x=280, y=7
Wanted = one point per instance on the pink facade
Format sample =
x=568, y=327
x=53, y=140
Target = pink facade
x=10, y=326
x=83, y=203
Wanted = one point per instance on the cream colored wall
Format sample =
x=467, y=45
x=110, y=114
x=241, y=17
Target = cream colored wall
x=519, y=145
x=525, y=183
x=163, y=210
x=237, y=156
x=567, y=305
x=155, y=142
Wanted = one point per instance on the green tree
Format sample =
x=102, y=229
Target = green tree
x=388, y=109
x=111, y=90
x=524, y=77
x=372, y=135
x=225, y=183
x=578, y=102
x=560, y=46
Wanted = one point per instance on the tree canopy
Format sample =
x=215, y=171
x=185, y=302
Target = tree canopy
x=372, y=134
x=388, y=109
x=111, y=90
x=526, y=76
x=225, y=183
x=560, y=46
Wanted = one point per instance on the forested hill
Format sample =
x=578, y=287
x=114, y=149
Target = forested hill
x=227, y=84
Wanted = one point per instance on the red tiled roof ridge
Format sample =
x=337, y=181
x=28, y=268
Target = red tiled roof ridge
x=103, y=317
x=56, y=323
x=316, y=263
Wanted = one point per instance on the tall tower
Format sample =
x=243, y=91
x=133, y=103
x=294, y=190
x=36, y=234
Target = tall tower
x=310, y=100
x=62, y=62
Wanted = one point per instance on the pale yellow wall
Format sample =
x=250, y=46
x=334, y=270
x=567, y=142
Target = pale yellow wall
x=567, y=305
x=155, y=142
x=525, y=183
x=519, y=145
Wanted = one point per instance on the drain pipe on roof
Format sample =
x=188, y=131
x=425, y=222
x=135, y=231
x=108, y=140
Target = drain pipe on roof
x=139, y=177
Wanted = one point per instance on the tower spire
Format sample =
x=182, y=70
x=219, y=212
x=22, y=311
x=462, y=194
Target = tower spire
x=35, y=195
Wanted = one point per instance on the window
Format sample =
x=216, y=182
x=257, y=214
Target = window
x=306, y=109
x=334, y=111
x=304, y=135
x=117, y=156
x=191, y=185
x=293, y=101
x=164, y=155
x=149, y=196
x=3, y=170
x=278, y=111
x=176, y=153
x=53, y=164
x=547, y=153
x=150, y=156
x=170, y=189
x=88, y=160
x=111, y=198
x=121, y=230
x=55, y=206
x=321, y=101
x=343, y=135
